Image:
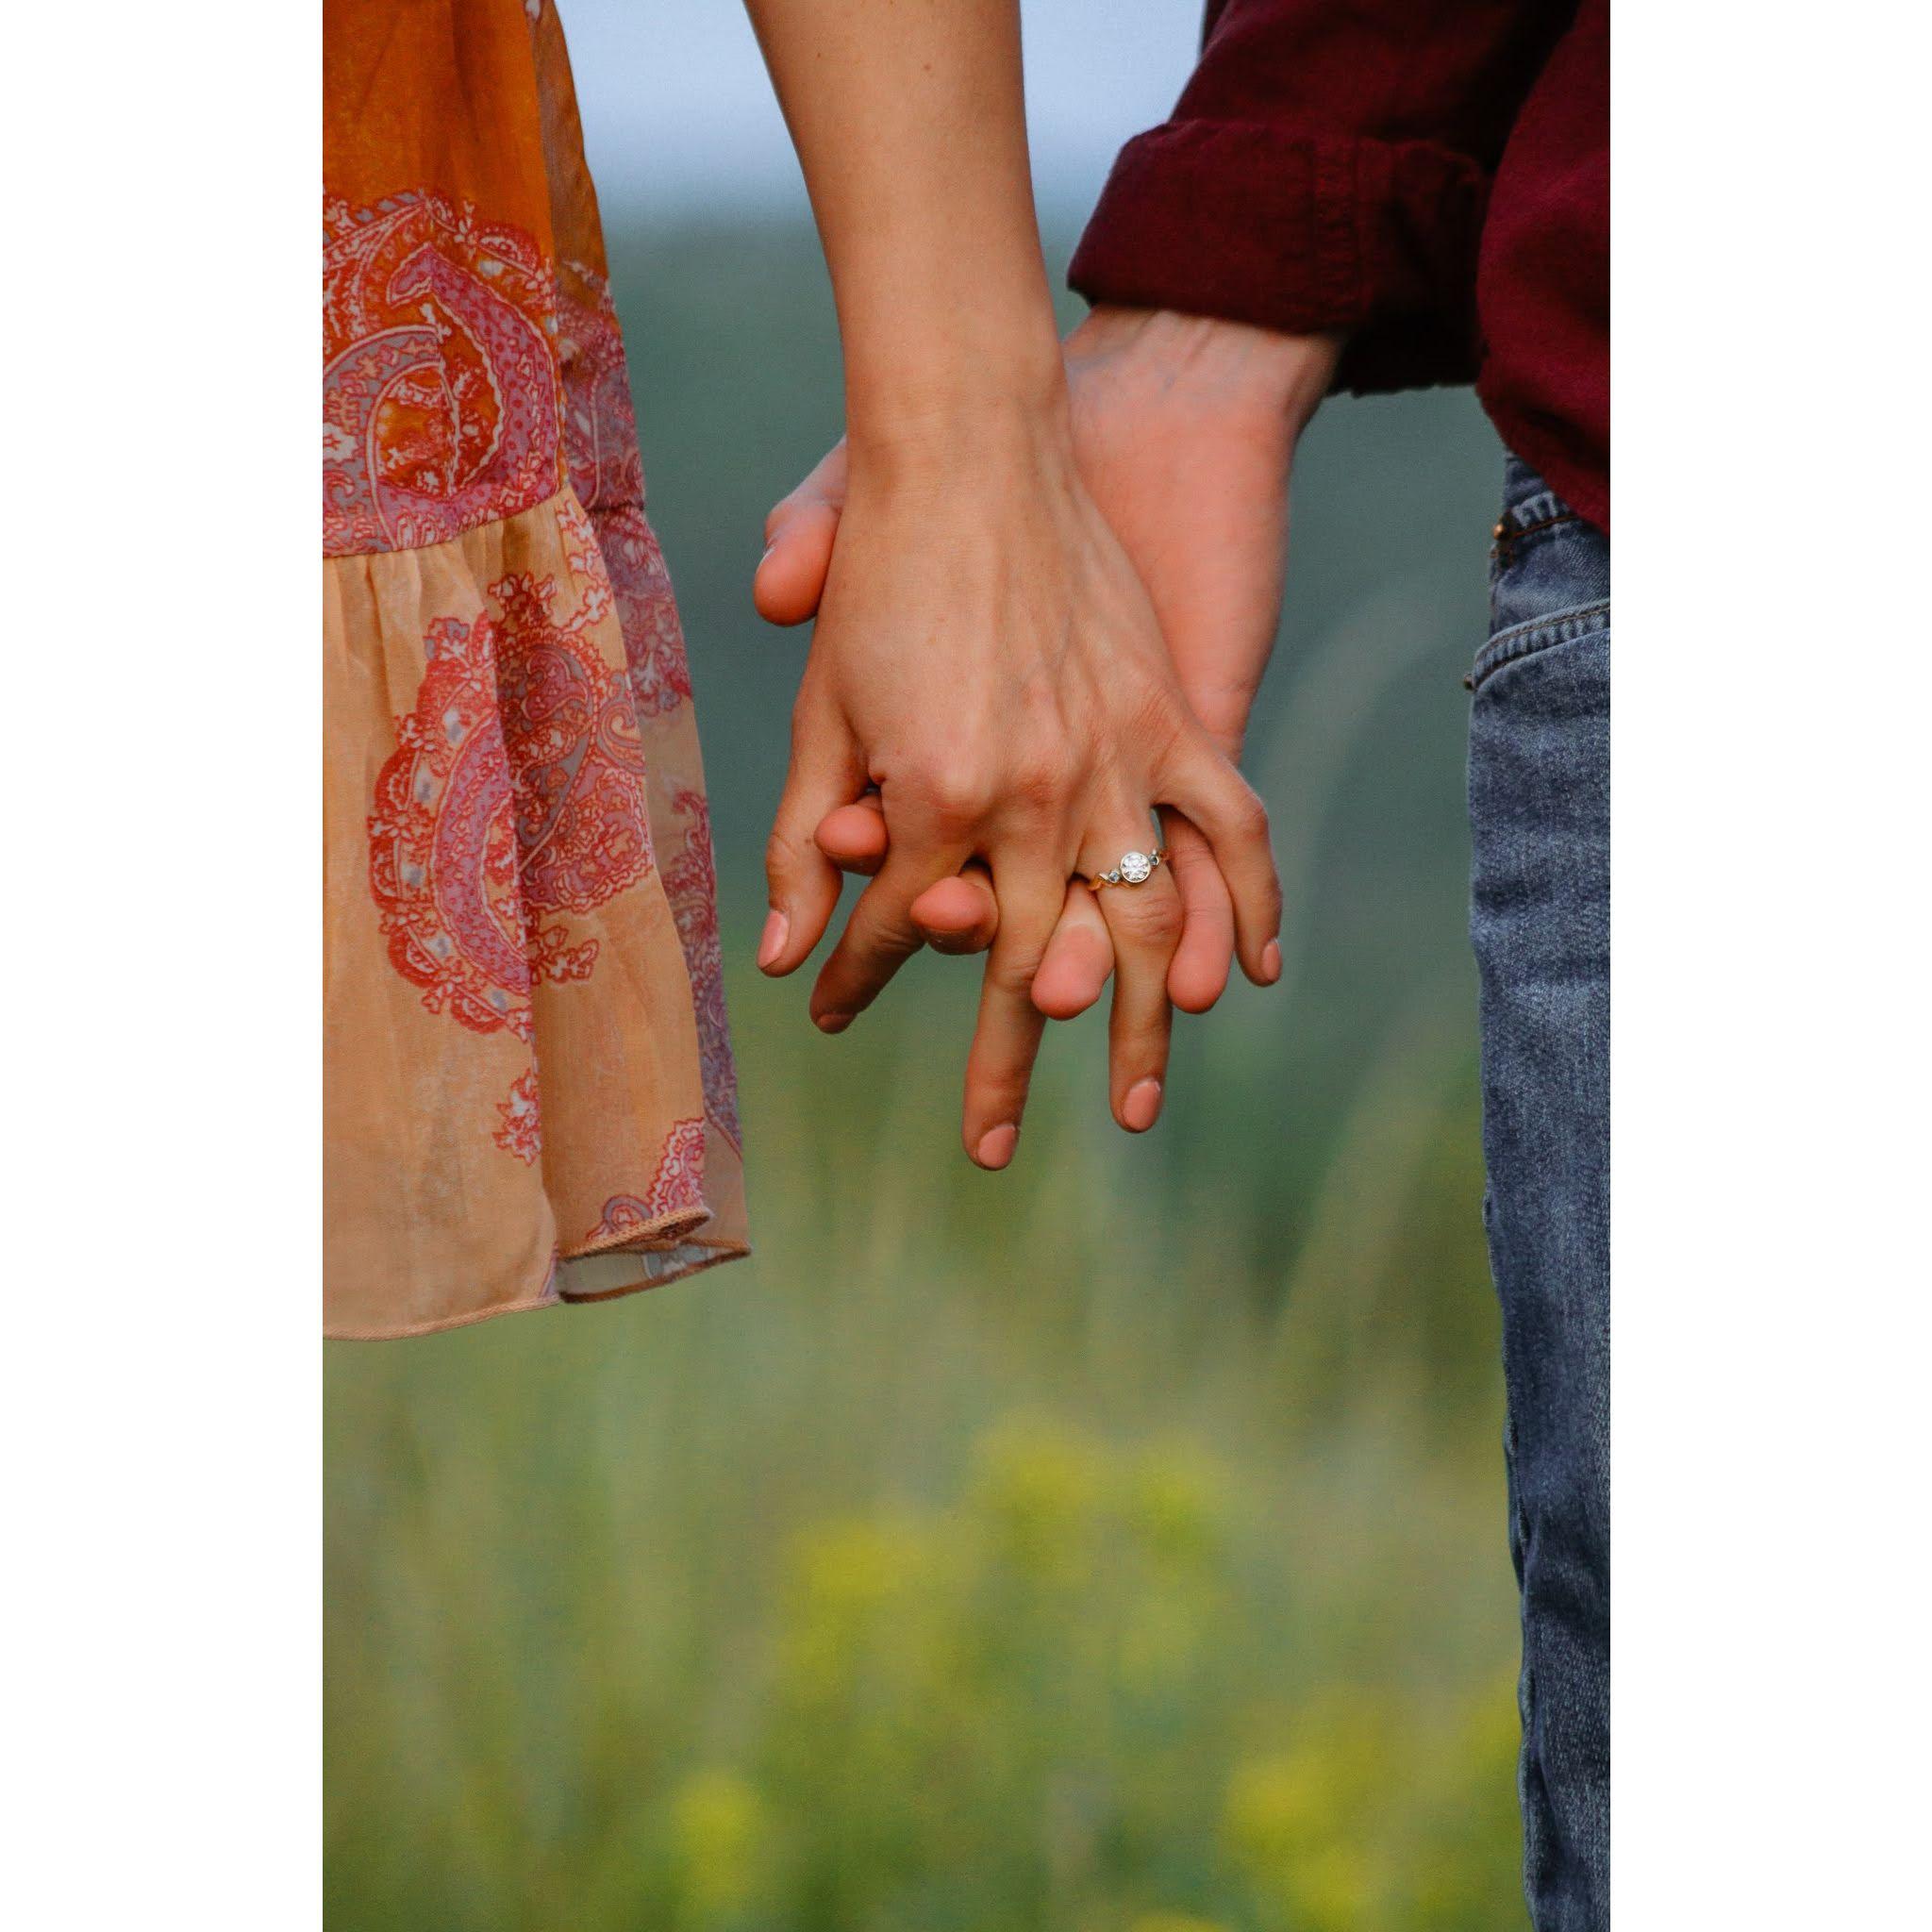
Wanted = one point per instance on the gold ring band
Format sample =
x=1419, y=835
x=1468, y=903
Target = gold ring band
x=1133, y=868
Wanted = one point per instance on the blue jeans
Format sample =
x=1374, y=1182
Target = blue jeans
x=1539, y=808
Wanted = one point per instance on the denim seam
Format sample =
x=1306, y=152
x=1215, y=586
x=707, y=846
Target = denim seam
x=1535, y=634
x=1506, y=535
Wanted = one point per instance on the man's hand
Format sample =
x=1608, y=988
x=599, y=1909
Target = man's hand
x=1184, y=430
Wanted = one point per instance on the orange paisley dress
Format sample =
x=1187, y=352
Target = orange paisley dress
x=529, y=1088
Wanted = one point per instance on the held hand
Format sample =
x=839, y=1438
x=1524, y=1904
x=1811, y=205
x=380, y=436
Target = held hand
x=1184, y=431
x=987, y=659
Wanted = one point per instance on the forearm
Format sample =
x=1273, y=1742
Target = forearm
x=910, y=125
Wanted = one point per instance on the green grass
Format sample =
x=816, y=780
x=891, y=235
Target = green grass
x=1113, y=1545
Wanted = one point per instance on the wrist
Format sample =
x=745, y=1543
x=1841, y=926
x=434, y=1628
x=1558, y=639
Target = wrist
x=947, y=422
x=1212, y=365
x=927, y=385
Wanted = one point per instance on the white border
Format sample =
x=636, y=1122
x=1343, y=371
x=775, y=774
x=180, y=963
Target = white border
x=1770, y=1065
x=160, y=1379
x=160, y=1396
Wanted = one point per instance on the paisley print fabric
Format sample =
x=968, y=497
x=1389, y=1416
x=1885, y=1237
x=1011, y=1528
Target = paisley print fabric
x=691, y=882
x=530, y=1089
x=678, y=1182
x=516, y=789
x=601, y=446
x=439, y=382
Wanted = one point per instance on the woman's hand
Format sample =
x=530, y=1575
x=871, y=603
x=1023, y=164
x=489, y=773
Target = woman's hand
x=987, y=659
x=1184, y=430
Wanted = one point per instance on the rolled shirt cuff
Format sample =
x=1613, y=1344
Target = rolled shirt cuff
x=1303, y=234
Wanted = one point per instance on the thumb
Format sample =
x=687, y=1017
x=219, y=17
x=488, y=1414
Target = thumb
x=799, y=533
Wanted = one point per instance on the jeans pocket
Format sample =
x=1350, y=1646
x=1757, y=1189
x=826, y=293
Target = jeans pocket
x=1536, y=634
x=1549, y=574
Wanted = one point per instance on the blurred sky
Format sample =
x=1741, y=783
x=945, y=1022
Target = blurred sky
x=680, y=120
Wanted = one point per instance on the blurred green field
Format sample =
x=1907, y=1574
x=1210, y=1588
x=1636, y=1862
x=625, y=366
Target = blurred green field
x=1112, y=1546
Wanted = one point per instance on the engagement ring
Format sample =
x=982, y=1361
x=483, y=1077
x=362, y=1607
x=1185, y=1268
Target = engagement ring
x=1135, y=869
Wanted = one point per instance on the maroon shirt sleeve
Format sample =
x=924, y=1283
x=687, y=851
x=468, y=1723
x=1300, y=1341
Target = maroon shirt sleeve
x=1327, y=167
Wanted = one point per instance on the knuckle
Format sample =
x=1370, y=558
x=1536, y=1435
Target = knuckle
x=1248, y=816
x=1152, y=918
x=888, y=929
x=955, y=798
x=1241, y=814
x=1040, y=781
x=1013, y=970
x=999, y=1081
x=1163, y=921
x=783, y=850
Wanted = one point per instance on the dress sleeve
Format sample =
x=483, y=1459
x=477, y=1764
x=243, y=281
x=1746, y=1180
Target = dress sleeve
x=1328, y=168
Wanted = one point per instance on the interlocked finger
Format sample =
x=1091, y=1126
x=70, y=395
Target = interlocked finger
x=956, y=915
x=1144, y=922
x=1199, y=974
x=826, y=773
x=1079, y=957
x=881, y=934
x=1006, y=1041
x=1201, y=784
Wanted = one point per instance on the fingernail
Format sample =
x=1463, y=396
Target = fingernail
x=833, y=1022
x=1142, y=1106
x=996, y=1145
x=1271, y=962
x=777, y=928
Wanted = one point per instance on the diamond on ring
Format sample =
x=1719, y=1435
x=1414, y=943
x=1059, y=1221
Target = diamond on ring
x=1135, y=869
